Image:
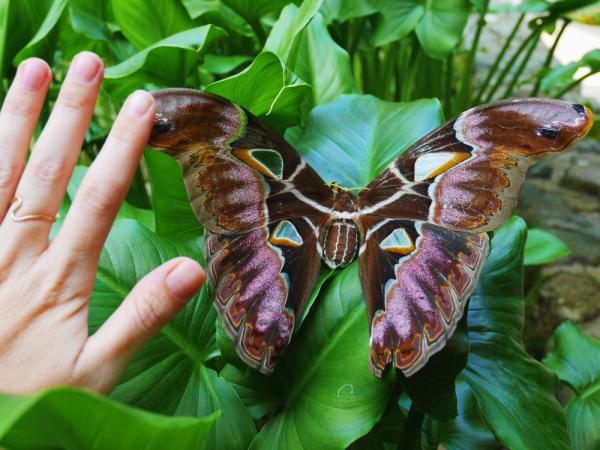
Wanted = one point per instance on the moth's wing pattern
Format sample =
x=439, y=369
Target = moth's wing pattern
x=416, y=278
x=467, y=174
x=239, y=174
x=423, y=219
x=262, y=208
x=260, y=288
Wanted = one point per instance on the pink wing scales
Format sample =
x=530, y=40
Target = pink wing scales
x=416, y=300
x=261, y=288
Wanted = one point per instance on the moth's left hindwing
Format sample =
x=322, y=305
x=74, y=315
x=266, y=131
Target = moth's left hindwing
x=416, y=278
x=244, y=183
x=261, y=281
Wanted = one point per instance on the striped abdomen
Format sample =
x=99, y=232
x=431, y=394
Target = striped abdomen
x=340, y=243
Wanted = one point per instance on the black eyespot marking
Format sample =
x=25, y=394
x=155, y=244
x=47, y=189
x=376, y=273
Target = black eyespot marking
x=580, y=109
x=549, y=133
x=162, y=126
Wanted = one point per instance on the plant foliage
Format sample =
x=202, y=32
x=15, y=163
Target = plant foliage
x=350, y=81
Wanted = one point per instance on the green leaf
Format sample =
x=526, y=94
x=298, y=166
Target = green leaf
x=432, y=388
x=90, y=17
x=43, y=42
x=468, y=430
x=323, y=64
x=286, y=34
x=169, y=375
x=266, y=90
x=399, y=17
x=174, y=215
x=439, y=24
x=363, y=134
x=252, y=10
x=543, y=248
x=515, y=392
x=386, y=434
x=145, y=23
x=168, y=61
x=75, y=419
x=219, y=14
x=442, y=26
x=576, y=360
x=206, y=392
x=343, y=10
x=223, y=64
x=561, y=76
x=20, y=22
x=589, y=15
x=327, y=396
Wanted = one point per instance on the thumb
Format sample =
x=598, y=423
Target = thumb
x=152, y=303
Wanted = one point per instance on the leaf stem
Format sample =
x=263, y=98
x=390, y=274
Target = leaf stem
x=390, y=60
x=574, y=84
x=448, y=83
x=513, y=82
x=492, y=71
x=411, y=433
x=467, y=76
x=511, y=63
x=258, y=31
x=548, y=61
x=409, y=75
x=356, y=30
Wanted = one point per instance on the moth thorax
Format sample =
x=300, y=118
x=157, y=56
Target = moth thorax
x=340, y=243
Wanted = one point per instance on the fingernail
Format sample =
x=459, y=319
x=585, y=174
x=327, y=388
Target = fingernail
x=185, y=279
x=32, y=74
x=138, y=103
x=86, y=67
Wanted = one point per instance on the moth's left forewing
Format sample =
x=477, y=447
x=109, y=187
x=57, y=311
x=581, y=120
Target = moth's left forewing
x=416, y=278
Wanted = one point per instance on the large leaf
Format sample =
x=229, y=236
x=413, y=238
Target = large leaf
x=43, y=42
x=467, y=431
x=439, y=24
x=174, y=215
x=516, y=392
x=286, y=34
x=561, y=76
x=219, y=14
x=342, y=10
x=266, y=90
x=252, y=10
x=543, y=248
x=168, y=61
x=363, y=134
x=576, y=360
x=144, y=23
x=323, y=64
x=326, y=396
x=169, y=374
x=589, y=15
x=74, y=419
x=90, y=17
x=21, y=23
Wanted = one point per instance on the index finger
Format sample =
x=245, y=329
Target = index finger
x=104, y=187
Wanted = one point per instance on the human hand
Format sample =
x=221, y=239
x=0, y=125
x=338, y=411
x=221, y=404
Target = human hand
x=45, y=286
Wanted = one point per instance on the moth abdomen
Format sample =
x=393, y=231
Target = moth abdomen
x=340, y=243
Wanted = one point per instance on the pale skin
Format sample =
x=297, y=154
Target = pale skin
x=45, y=285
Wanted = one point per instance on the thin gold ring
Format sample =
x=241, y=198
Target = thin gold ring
x=18, y=202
